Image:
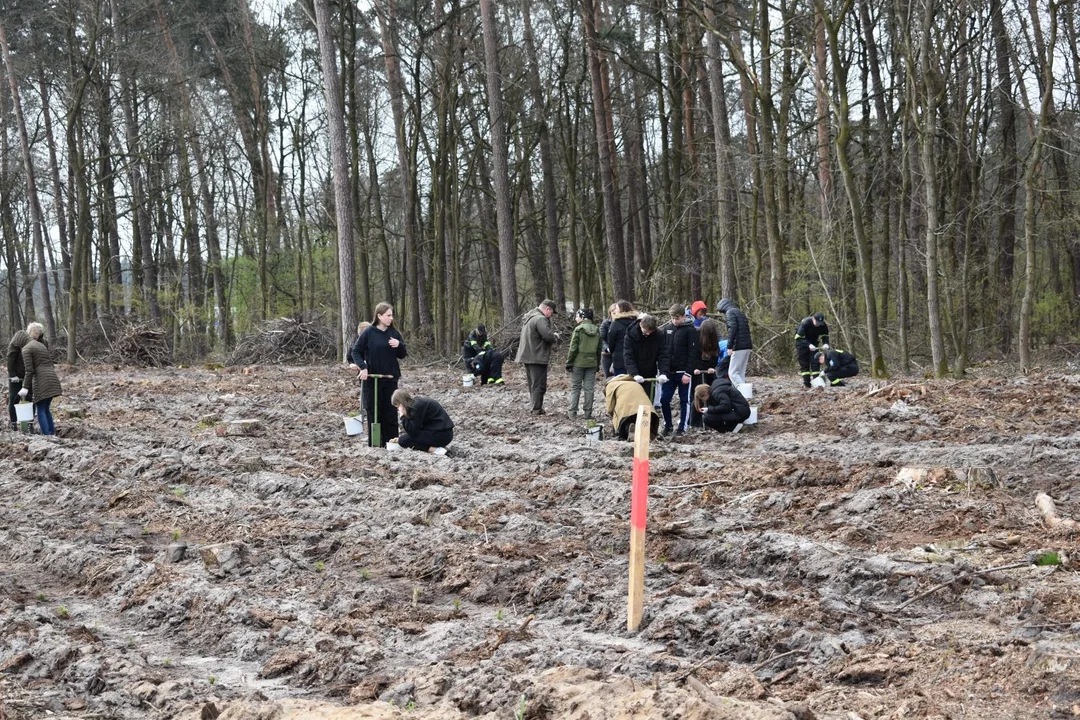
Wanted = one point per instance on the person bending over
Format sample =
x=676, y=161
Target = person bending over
x=837, y=364
x=721, y=405
x=425, y=423
x=481, y=358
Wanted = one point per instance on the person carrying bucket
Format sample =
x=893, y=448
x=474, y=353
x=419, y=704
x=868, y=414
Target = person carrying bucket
x=376, y=354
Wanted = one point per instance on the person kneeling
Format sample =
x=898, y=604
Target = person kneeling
x=721, y=405
x=481, y=358
x=623, y=397
x=427, y=426
x=837, y=364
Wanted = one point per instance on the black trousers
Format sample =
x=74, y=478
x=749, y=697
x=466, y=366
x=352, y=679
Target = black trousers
x=386, y=414
x=808, y=365
x=718, y=423
x=537, y=375
x=425, y=439
x=842, y=372
x=13, y=397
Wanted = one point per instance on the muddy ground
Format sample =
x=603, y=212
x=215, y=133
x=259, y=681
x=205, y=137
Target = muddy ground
x=152, y=568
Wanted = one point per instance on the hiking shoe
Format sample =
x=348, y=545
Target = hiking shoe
x=538, y=412
x=839, y=383
x=666, y=431
x=572, y=414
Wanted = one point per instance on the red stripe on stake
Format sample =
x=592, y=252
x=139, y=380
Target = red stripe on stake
x=639, y=493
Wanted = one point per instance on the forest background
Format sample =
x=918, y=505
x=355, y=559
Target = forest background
x=204, y=166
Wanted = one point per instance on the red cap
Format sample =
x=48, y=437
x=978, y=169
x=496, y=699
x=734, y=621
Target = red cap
x=698, y=307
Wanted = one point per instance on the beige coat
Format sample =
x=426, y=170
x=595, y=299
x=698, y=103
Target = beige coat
x=623, y=396
x=40, y=376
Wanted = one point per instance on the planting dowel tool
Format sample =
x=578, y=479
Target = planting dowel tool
x=376, y=426
x=639, y=498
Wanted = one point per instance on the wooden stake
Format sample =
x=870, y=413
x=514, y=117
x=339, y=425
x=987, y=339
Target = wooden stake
x=639, y=499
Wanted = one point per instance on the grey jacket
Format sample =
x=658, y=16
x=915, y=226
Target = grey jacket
x=537, y=337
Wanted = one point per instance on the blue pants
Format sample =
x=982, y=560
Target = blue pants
x=44, y=417
x=667, y=392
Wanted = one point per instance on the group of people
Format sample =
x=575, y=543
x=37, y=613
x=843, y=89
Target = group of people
x=701, y=360
x=32, y=377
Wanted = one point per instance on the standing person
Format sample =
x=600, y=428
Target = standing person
x=605, y=353
x=481, y=358
x=583, y=361
x=40, y=377
x=534, y=351
x=739, y=342
x=721, y=405
x=625, y=316
x=645, y=354
x=678, y=332
x=377, y=352
x=705, y=364
x=354, y=365
x=427, y=426
x=811, y=334
x=16, y=371
x=837, y=364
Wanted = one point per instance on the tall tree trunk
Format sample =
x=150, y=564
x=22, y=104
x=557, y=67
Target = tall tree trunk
x=725, y=190
x=37, y=222
x=499, y=159
x=1008, y=174
x=343, y=198
x=616, y=256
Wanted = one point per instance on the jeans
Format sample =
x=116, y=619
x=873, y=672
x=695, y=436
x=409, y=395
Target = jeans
x=667, y=392
x=44, y=417
x=579, y=377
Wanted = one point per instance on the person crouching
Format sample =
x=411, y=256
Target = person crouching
x=721, y=405
x=426, y=424
x=836, y=365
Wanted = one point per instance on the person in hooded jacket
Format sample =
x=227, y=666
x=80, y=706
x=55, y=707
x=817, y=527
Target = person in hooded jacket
x=837, y=365
x=16, y=371
x=625, y=316
x=721, y=405
x=482, y=358
x=582, y=362
x=739, y=342
x=812, y=334
x=645, y=354
x=427, y=425
x=40, y=381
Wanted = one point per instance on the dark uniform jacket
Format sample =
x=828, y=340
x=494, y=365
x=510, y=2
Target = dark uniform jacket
x=810, y=334
x=840, y=364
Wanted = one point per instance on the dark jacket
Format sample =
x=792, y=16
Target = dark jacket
x=685, y=351
x=426, y=414
x=15, y=366
x=537, y=337
x=840, y=364
x=372, y=351
x=616, y=336
x=644, y=355
x=737, y=325
x=604, y=327
x=726, y=403
x=810, y=334
x=584, y=346
x=475, y=344
x=40, y=375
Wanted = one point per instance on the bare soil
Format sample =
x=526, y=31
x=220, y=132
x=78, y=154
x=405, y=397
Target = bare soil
x=151, y=567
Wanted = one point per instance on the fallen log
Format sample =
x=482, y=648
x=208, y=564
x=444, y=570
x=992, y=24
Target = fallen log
x=1046, y=506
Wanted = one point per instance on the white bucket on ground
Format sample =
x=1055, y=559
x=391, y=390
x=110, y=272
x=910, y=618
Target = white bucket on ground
x=752, y=420
x=354, y=426
x=594, y=434
x=468, y=380
x=392, y=446
x=747, y=390
x=818, y=382
x=24, y=411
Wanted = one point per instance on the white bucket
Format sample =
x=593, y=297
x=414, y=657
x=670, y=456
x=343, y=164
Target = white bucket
x=354, y=426
x=594, y=434
x=818, y=382
x=747, y=390
x=468, y=380
x=392, y=446
x=752, y=420
x=24, y=411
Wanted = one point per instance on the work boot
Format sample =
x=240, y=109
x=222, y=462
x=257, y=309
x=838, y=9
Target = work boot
x=572, y=414
x=491, y=381
x=499, y=381
x=839, y=383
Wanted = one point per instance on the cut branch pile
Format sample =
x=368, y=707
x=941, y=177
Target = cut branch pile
x=141, y=345
x=285, y=341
